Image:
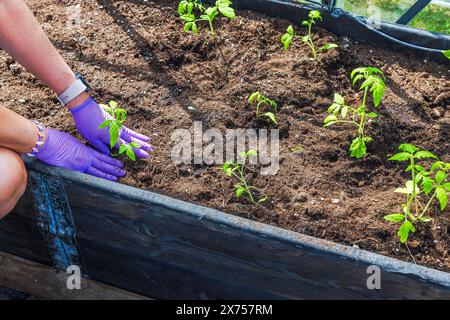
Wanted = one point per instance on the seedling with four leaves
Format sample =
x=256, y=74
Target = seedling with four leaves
x=237, y=170
x=189, y=10
x=115, y=126
x=264, y=102
x=340, y=112
x=290, y=35
x=421, y=191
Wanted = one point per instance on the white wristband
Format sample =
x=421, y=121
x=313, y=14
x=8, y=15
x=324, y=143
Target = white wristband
x=75, y=89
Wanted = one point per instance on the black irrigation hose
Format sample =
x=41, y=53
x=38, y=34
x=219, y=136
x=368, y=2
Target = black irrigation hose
x=395, y=40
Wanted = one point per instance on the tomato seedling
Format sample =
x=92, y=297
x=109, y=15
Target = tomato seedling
x=290, y=35
x=115, y=126
x=421, y=191
x=192, y=12
x=237, y=170
x=340, y=112
x=262, y=102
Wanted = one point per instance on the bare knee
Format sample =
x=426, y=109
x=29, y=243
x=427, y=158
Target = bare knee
x=13, y=180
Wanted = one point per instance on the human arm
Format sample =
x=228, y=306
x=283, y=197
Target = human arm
x=23, y=38
x=58, y=148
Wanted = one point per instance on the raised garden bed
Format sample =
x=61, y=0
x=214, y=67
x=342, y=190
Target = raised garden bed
x=137, y=55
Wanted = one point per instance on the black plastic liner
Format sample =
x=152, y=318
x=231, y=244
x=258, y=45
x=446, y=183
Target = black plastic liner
x=169, y=249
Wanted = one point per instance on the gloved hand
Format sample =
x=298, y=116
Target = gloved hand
x=60, y=149
x=89, y=116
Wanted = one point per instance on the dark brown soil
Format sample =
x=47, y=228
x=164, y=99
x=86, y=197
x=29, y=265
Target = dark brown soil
x=136, y=54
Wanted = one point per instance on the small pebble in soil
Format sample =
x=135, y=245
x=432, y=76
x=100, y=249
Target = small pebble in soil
x=437, y=113
x=300, y=197
x=335, y=201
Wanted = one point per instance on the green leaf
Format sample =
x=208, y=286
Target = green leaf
x=404, y=230
x=113, y=104
x=227, y=12
x=378, y=95
x=122, y=148
x=446, y=53
x=271, y=116
x=130, y=153
x=113, y=134
x=358, y=77
x=437, y=165
x=134, y=145
x=440, y=176
x=427, y=184
x=408, y=148
x=395, y=217
x=344, y=112
x=253, y=96
x=211, y=13
x=120, y=114
x=358, y=148
x=290, y=30
x=447, y=186
x=401, y=156
x=286, y=39
x=330, y=118
x=328, y=46
x=251, y=153
x=105, y=124
x=334, y=108
x=441, y=195
x=339, y=99
x=314, y=15
x=372, y=115
x=188, y=17
x=423, y=154
x=409, y=188
x=239, y=190
x=263, y=199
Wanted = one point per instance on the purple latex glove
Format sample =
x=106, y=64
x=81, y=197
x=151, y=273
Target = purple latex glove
x=89, y=116
x=62, y=150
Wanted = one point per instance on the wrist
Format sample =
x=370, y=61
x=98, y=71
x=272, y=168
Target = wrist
x=38, y=141
x=82, y=98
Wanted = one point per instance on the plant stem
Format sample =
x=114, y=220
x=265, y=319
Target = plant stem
x=363, y=115
x=428, y=204
x=311, y=43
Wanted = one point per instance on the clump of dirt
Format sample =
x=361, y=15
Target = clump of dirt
x=136, y=54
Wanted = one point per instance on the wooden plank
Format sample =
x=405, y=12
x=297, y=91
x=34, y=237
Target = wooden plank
x=194, y=252
x=42, y=282
x=20, y=235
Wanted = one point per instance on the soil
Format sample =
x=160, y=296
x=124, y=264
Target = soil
x=135, y=53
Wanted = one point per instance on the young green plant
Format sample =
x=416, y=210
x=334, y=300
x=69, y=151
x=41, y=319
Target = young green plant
x=423, y=189
x=237, y=170
x=118, y=116
x=290, y=35
x=192, y=12
x=263, y=102
x=341, y=113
